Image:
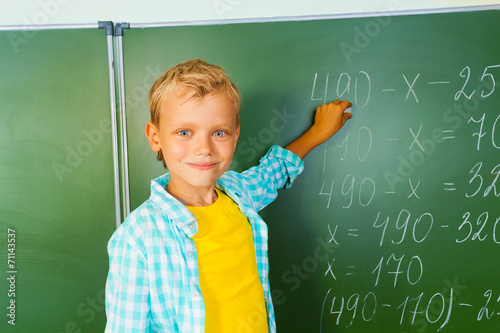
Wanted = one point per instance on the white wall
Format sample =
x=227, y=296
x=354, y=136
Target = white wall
x=42, y=12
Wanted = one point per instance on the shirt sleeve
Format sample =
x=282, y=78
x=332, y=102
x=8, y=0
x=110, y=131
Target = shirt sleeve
x=278, y=168
x=127, y=291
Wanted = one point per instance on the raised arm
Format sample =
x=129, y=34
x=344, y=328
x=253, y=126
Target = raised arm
x=329, y=118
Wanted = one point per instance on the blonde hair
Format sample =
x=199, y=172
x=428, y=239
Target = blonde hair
x=197, y=77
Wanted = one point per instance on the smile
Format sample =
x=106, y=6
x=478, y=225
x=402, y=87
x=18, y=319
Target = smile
x=202, y=166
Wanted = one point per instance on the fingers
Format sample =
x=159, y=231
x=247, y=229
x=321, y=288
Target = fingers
x=346, y=116
x=329, y=118
x=344, y=104
x=337, y=105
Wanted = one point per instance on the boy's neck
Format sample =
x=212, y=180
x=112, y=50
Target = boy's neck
x=194, y=197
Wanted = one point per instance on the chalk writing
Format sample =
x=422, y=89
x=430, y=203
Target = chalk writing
x=403, y=224
x=398, y=270
x=434, y=309
x=478, y=179
x=365, y=191
x=362, y=88
x=477, y=230
x=363, y=84
x=422, y=226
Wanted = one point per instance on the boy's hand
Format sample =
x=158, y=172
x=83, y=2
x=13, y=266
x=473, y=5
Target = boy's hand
x=329, y=118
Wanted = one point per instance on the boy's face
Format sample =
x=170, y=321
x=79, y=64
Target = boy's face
x=197, y=139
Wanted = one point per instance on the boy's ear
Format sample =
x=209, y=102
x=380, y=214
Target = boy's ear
x=153, y=136
x=236, y=136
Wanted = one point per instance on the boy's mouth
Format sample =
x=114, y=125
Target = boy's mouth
x=202, y=166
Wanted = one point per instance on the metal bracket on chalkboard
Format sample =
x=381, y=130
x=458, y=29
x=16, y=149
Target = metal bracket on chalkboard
x=107, y=26
x=122, y=114
x=120, y=27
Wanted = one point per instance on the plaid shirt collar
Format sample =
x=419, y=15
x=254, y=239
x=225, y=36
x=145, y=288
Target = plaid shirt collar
x=179, y=214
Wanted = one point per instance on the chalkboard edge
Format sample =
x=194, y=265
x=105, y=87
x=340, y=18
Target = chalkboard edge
x=316, y=17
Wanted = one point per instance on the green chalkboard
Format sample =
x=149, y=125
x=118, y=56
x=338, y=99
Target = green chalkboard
x=56, y=180
x=394, y=225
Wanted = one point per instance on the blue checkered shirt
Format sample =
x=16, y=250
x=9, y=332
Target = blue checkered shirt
x=153, y=282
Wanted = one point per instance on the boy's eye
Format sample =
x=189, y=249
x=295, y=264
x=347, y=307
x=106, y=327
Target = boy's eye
x=219, y=133
x=184, y=133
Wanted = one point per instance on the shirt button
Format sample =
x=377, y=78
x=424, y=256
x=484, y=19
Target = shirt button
x=192, y=226
x=190, y=253
x=196, y=294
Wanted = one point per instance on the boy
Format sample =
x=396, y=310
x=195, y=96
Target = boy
x=193, y=258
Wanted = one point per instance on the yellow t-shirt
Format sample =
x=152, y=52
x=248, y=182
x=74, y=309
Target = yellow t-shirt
x=229, y=280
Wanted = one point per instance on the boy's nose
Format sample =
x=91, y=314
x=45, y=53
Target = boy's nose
x=203, y=146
